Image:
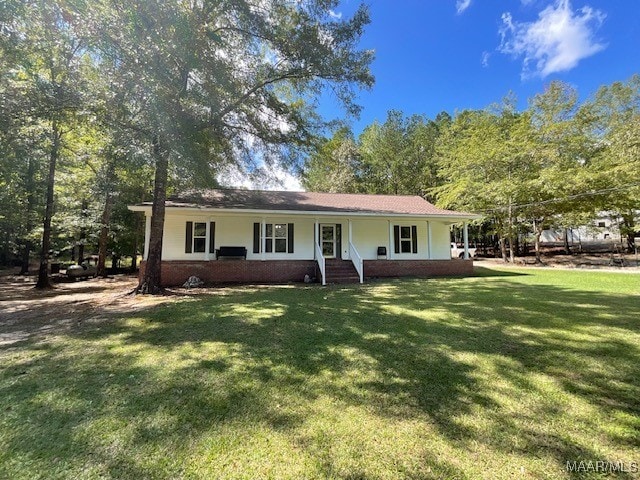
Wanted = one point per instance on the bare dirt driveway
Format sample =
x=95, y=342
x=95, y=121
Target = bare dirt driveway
x=26, y=312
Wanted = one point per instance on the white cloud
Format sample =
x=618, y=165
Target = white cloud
x=485, y=59
x=231, y=176
x=281, y=180
x=556, y=42
x=462, y=5
x=336, y=15
x=275, y=177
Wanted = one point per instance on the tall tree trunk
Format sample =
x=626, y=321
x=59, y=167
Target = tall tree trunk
x=629, y=231
x=537, y=246
x=105, y=221
x=579, y=242
x=31, y=202
x=136, y=242
x=26, y=254
x=151, y=281
x=565, y=240
x=512, y=249
x=104, y=234
x=538, y=234
x=134, y=258
x=511, y=242
x=503, y=249
x=43, y=271
x=83, y=231
x=80, y=250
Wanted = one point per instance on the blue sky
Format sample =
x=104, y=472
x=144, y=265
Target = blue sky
x=435, y=55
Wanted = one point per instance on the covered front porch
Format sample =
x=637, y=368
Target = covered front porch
x=400, y=253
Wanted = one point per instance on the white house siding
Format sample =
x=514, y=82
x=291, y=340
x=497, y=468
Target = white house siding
x=173, y=238
x=234, y=231
x=440, y=241
x=369, y=233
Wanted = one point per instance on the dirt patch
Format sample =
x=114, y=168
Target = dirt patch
x=25, y=311
x=628, y=263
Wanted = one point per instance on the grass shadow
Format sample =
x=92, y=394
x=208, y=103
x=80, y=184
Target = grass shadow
x=479, y=271
x=451, y=356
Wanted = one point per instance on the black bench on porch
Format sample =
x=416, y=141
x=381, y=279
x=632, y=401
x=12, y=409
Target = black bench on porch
x=231, y=252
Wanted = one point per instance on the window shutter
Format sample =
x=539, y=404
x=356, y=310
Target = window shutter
x=290, y=235
x=212, y=237
x=396, y=238
x=256, y=237
x=188, y=243
x=339, y=240
x=414, y=238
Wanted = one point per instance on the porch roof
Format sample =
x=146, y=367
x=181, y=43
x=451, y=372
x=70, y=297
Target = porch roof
x=307, y=202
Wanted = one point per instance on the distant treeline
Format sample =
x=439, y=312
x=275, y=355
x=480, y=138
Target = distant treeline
x=556, y=164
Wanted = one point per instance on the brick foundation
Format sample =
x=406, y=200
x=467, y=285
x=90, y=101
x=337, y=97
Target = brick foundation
x=176, y=272
x=417, y=268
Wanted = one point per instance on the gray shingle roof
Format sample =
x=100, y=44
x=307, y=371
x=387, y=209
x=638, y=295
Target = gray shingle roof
x=309, y=202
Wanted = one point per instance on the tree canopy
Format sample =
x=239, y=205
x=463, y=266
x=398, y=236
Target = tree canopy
x=557, y=163
x=190, y=87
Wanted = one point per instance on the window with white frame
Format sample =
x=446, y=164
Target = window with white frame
x=199, y=237
x=406, y=239
x=276, y=237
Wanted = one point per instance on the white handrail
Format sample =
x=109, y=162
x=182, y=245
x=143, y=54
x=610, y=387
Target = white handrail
x=321, y=262
x=357, y=261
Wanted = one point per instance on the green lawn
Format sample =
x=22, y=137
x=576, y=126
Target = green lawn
x=507, y=374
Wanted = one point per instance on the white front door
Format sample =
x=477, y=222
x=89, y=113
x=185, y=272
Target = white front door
x=328, y=240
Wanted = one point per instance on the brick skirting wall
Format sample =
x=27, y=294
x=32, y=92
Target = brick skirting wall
x=176, y=272
x=417, y=268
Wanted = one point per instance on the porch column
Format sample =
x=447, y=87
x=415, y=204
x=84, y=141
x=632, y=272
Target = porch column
x=315, y=238
x=429, y=240
x=147, y=234
x=207, y=254
x=350, y=240
x=391, y=246
x=466, y=240
x=263, y=240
